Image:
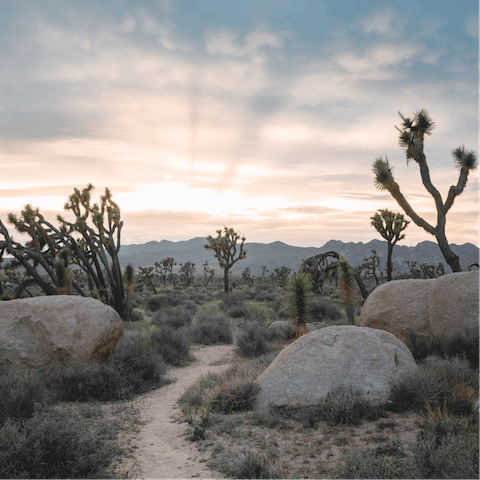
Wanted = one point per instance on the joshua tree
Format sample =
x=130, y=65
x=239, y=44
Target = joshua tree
x=390, y=226
x=282, y=274
x=208, y=273
x=225, y=247
x=411, y=138
x=94, y=249
x=187, y=271
x=147, y=275
x=299, y=300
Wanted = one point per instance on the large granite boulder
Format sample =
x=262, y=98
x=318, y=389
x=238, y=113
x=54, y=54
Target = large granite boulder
x=426, y=307
x=36, y=332
x=320, y=362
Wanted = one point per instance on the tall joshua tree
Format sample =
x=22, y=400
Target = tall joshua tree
x=225, y=247
x=411, y=138
x=390, y=226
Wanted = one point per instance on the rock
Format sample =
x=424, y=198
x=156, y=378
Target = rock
x=427, y=307
x=318, y=363
x=453, y=303
x=315, y=326
x=280, y=328
x=36, y=332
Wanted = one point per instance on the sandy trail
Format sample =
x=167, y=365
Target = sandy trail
x=162, y=448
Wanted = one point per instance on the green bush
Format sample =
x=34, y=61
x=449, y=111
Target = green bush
x=20, y=391
x=323, y=310
x=208, y=329
x=238, y=399
x=375, y=464
x=251, y=342
x=139, y=364
x=233, y=304
x=54, y=444
x=254, y=466
x=463, y=343
x=86, y=381
x=172, y=317
x=345, y=405
x=136, y=369
x=172, y=345
x=161, y=300
x=254, y=312
x=458, y=342
x=445, y=449
x=437, y=382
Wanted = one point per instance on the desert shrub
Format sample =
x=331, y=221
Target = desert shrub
x=135, y=316
x=254, y=312
x=208, y=329
x=324, y=310
x=86, y=381
x=233, y=304
x=463, y=343
x=172, y=345
x=345, y=405
x=446, y=449
x=20, y=391
x=142, y=367
x=457, y=343
x=161, y=300
x=54, y=444
x=231, y=390
x=172, y=317
x=437, y=382
x=251, y=342
x=239, y=399
x=196, y=396
x=376, y=464
x=249, y=464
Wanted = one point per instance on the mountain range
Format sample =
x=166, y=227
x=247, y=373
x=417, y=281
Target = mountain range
x=278, y=254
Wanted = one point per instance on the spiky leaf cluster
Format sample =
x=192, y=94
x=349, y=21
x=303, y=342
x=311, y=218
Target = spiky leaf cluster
x=299, y=300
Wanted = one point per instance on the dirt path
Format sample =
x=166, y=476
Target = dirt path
x=162, y=449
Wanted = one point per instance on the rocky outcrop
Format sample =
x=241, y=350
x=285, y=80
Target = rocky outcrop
x=36, y=332
x=426, y=307
x=318, y=363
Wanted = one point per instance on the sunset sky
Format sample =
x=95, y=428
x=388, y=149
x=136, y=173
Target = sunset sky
x=265, y=116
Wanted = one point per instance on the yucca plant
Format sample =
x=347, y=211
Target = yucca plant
x=347, y=290
x=299, y=301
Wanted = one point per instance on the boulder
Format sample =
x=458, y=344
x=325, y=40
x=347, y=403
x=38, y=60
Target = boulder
x=280, y=328
x=305, y=372
x=427, y=307
x=36, y=332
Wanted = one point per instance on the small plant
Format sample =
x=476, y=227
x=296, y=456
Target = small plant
x=160, y=301
x=251, y=342
x=208, y=329
x=253, y=466
x=347, y=289
x=299, y=300
x=172, y=317
x=54, y=444
x=172, y=345
x=324, y=310
x=199, y=424
x=20, y=392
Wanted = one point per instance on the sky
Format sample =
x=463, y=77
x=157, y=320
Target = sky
x=264, y=116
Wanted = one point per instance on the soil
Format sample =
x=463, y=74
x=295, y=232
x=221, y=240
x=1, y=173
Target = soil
x=160, y=448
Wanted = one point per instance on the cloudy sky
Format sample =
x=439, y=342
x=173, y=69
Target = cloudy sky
x=262, y=115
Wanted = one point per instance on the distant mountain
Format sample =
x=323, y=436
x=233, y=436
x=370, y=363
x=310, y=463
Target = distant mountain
x=277, y=254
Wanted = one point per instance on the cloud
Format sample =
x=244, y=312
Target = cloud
x=431, y=24
x=378, y=22
x=227, y=43
x=471, y=25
